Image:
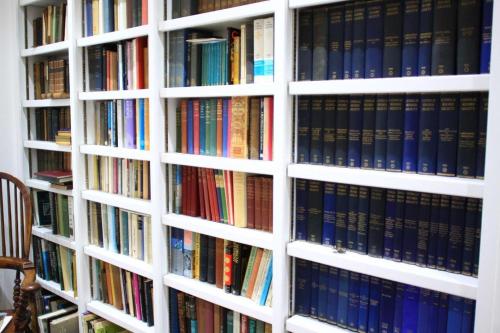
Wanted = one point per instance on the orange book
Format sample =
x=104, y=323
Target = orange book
x=255, y=271
x=144, y=12
x=196, y=126
x=141, y=44
x=219, y=126
x=146, y=67
x=268, y=128
x=200, y=312
x=184, y=126
x=109, y=291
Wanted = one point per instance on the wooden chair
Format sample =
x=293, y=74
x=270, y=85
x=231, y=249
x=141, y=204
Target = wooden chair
x=15, y=230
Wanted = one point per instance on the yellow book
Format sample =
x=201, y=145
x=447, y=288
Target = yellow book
x=196, y=255
x=63, y=254
x=73, y=262
x=145, y=180
x=240, y=199
x=239, y=127
x=95, y=17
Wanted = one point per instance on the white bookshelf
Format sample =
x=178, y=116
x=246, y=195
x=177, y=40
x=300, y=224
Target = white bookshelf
x=136, y=154
x=115, y=94
x=47, y=145
x=46, y=233
x=250, y=89
x=45, y=49
x=45, y=103
x=43, y=185
x=56, y=289
x=114, y=36
x=300, y=324
x=137, y=205
x=118, y=317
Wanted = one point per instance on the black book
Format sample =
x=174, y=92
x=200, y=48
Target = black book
x=481, y=135
x=342, y=122
x=398, y=226
x=352, y=217
x=320, y=43
x=376, y=222
x=203, y=258
x=148, y=288
x=423, y=228
x=142, y=298
x=341, y=211
x=211, y=260
x=477, y=241
x=389, y=222
x=368, y=132
x=315, y=211
x=443, y=232
x=314, y=289
x=316, y=152
x=456, y=235
x=44, y=212
x=467, y=135
x=330, y=106
x=236, y=270
x=358, y=40
x=363, y=216
x=471, y=210
x=335, y=42
x=380, y=145
x=304, y=129
x=393, y=30
x=433, y=230
x=348, y=34
x=410, y=227
x=354, y=132
x=448, y=135
x=411, y=22
x=468, y=36
x=444, y=37
x=305, y=45
x=395, y=129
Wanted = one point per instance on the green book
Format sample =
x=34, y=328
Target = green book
x=248, y=273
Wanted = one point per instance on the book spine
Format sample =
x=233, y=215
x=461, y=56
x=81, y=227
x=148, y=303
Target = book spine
x=380, y=143
x=301, y=213
x=397, y=251
x=374, y=39
x=410, y=308
x=443, y=313
x=423, y=228
x=393, y=26
x=314, y=289
x=387, y=306
x=364, y=301
x=468, y=34
x=304, y=129
x=317, y=115
x=343, y=298
x=330, y=106
x=477, y=241
x=468, y=315
x=314, y=211
x=335, y=42
x=398, y=307
x=363, y=216
x=390, y=221
x=320, y=42
x=374, y=305
x=467, y=135
x=376, y=222
x=448, y=132
x=481, y=135
x=302, y=286
x=428, y=134
x=456, y=235
x=410, y=227
x=352, y=217
x=328, y=214
x=425, y=37
x=410, y=37
x=342, y=121
x=358, y=40
x=322, y=292
x=353, y=304
x=348, y=36
x=341, y=210
x=305, y=58
x=354, y=132
x=410, y=142
x=368, y=132
x=433, y=230
x=487, y=19
x=443, y=232
x=332, y=298
x=395, y=123
x=444, y=37
x=471, y=210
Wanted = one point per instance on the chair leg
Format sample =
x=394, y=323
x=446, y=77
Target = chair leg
x=22, y=316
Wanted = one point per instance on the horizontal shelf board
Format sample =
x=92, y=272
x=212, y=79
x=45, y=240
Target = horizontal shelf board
x=114, y=94
x=45, y=103
x=120, y=201
x=56, y=289
x=45, y=49
x=43, y=185
x=136, y=154
x=218, y=296
x=220, y=230
x=395, y=180
x=46, y=233
x=455, y=284
x=219, y=91
x=400, y=85
x=119, y=317
x=125, y=262
x=222, y=163
x=309, y=3
x=37, y=2
x=114, y=36
x=46, y=145
x=301, y=324
x=219, y=18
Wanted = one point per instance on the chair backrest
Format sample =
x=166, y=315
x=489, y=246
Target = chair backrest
x=15, y=217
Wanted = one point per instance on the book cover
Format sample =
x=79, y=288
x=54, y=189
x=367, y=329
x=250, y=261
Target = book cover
x=320, y=43
x=358, y=40
x=395, y=131
x=368, y=132
x=410, y=141
x=443, y=232
x=374, y=39
x=364, y=301
x=481, y=135
x=314, y=291
x=354, y=133
x=444, y=37
x=374, y=305
x=398, y=307
x=335, y=42
x=425, y=37
x=448, y=135
x=411, y=20
x=387, y=302
x=467, y=135
x=329, y=113
x=442, y=323
x=303, y=129
x=343, y=298
x=329, y=203
x=455, y=311
x=393, y=30
x=424, y=217
x=342, y=121
x=410, y=308
x=341, y=211
x=332, y=298
x=424, y=308
x=376, y=222
x=363, y=217
x=390, y=221
x=323, y=292
x=380, y=143
x=487, y=18
x=348, y=36
x=433, y=230
x=352, y=217
x=471, y=211
x=410, y=227
x=301, y=209
x=468, y=34
x=315, y=211
x=456, y=234
x=317, y=122
x=353, y=304
x=428, y=134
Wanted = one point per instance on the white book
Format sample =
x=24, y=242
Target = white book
x=149, y=242
x=120, y=66
x=258, y=50
x=104, y=226
x=122, y=14
x=65, y=324
x=236, y=322
x=44, y=320
x=35, y=209
x=134, y=242
x=101, y=16
x=268, y=76
x=243, y=54
x=119, y=122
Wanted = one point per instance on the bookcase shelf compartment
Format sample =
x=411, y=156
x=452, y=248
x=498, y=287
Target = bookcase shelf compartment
x=125, y=262
x=119, y=201
x=219, y=91
x=301, y=324
x=45, y=103
x=220, y=297
x=56, y=289
x=400, y=85
x=218, y=17
x=119, y=317
x=309, y=3
x=114, y=36
x=43, y=185
x=45, y=49
x=115, y=94
x=247, y=236
x=46, y=145
x=450, y=283
x=46, y=233
x=464, y=187
x=221, y=163
x=135, y=154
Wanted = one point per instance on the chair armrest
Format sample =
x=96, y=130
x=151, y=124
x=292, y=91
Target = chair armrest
x=29, y=284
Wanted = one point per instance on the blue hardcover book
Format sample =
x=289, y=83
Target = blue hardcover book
x=190, y=130
x=353, y=307
x=411, y=20
x=374, y=39
x=380, y=148
x=368, y=133
x=332, y=300
x=354, y=133
x=364, y=301
x=301, y=206
x=342, y=122
x=468, y=34
x=343, y=298
x=376, y=222
x=341, y=210
x=302, y=287
x=225, y=120
x=389, y=223
x=410, y=309
x=374, y=305
x=124, y=239
x=305, y=45
x=443, y=313
x=317, y=115
x=213, y=126
x=336, y=42
x=468, y=316
x=142, y=128
x=320, y=43
x=173, y=310
x=358, y=40
x=443, y=232
x=203, y=120
x=352, y=217
x=444, y=37
x=328, y=214
x=425, y=37
x=395, y=123
x=456, y=235
x=315, y=211
x=267, y=282
x=428, y=134
x=393, y=31
x=455, y=311
x=433, y=317
x=481, y=135
x=363, y=217
x=486, y=36
x=471, y=209
x=323, y=292
x=113, y=246
x=398, y=225
x=330, y=107
x=467, y=135
x=410, y=227
x=433, y=230
x=304, y=129
x=475, y=268
x=314, y=289
x=107, y=15
x=448, y=135
x=348, y=36
x=410, y=142
x=398, y=307
x=88, y=18
x=387, y=301
x=176, y=246
x=424, y=308
x=424, y=217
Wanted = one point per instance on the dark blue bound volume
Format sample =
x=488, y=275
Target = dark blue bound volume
x=387, y=302
x=456, y=235
x=341, y=208
x=173, y=310
x=353, y=310
x=343, y=298
x=468, y=316
x=410, y=308
x=410, y=227
x=424, y=308
x=443, y=230
x=332, y=300
x=410, y=143
x=393, y=31
x=433, y=230
x=376, y=222
x=442, y=313
x=486, y=36
x=335, y=42
x=330, y=106
x=302, y=287
x=320, y=43
x=444, y=37
x=448, y=134
x=425, y=38
x=314, y=289
x=363, y=216
x=342, y=121
x=314, y=211
x=354, y=133
x=380, y=146
x=374, y=38
x=301, y=190
x=434, y=313
x=390, y=220
x=424, y=221
x=305, y=45
x=348, y=35
x=398, y=226
x=428, y=134
x=455, y=310
x=358, y=40
x=317, y=115
x=303, y=129
x=468, y=34
x=469, y=235
x=410, y=37
x=323, y=292
x=329, y=214
x=368, y=132
x=395, y=123
x=481, y=135
x=352, y=217
x=374, y=305
x=467, y=135
x=477, y=241
x=364, y=300
x=398, y=307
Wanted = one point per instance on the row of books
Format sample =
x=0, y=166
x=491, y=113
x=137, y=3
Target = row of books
x=441, y=134
x=191, y=314
x=47, y=302
x=51, y=26
x=230, y=197
x=122, y=123
x=101, y=16
x=92, y=323
x=52, y=160
x=120, y=231
x=365, y=303
x=237, y=268
x=126, y=291
x=118, y=66
x=54, y=211
x=56, y=263
x=202, y=58
x=122, y=176
x=48, y=121
x=182, y=8
x=64, y=319
x=239, y=127
x=392, y=38
x=51, y=79
x=432, y=230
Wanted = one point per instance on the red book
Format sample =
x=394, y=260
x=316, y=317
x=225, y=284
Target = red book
x=135, y=286
x=141, y=44
x=268, y=114
x=194, y=189
x=251, y=202
x=266, y=204
x=55, y=176
x=184, y=200
x=184, y=126
x=219, y=126
x=201, y=193
x=244, y=324
x=209, y=318
x=269, y=189
x=212, y=192
x=196, y=126
x=258, y=203
x=144, y=12
x=189, y=192
x=206, y=195
x=228, y=266
x=199, y=314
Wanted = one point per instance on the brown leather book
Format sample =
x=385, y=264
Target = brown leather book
x=216, y=314
x=269, y=190
x=255, y=270
x=251, y=202
x=199, y=183
x=219, y=262
x=208, y=318
x=258, y=203
x=109, y=290
x=206, y=196
x=181, y=311
x=217, y=4
x=200, y=314
x=265, y=204
x=210, y=5
x=254, y=128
